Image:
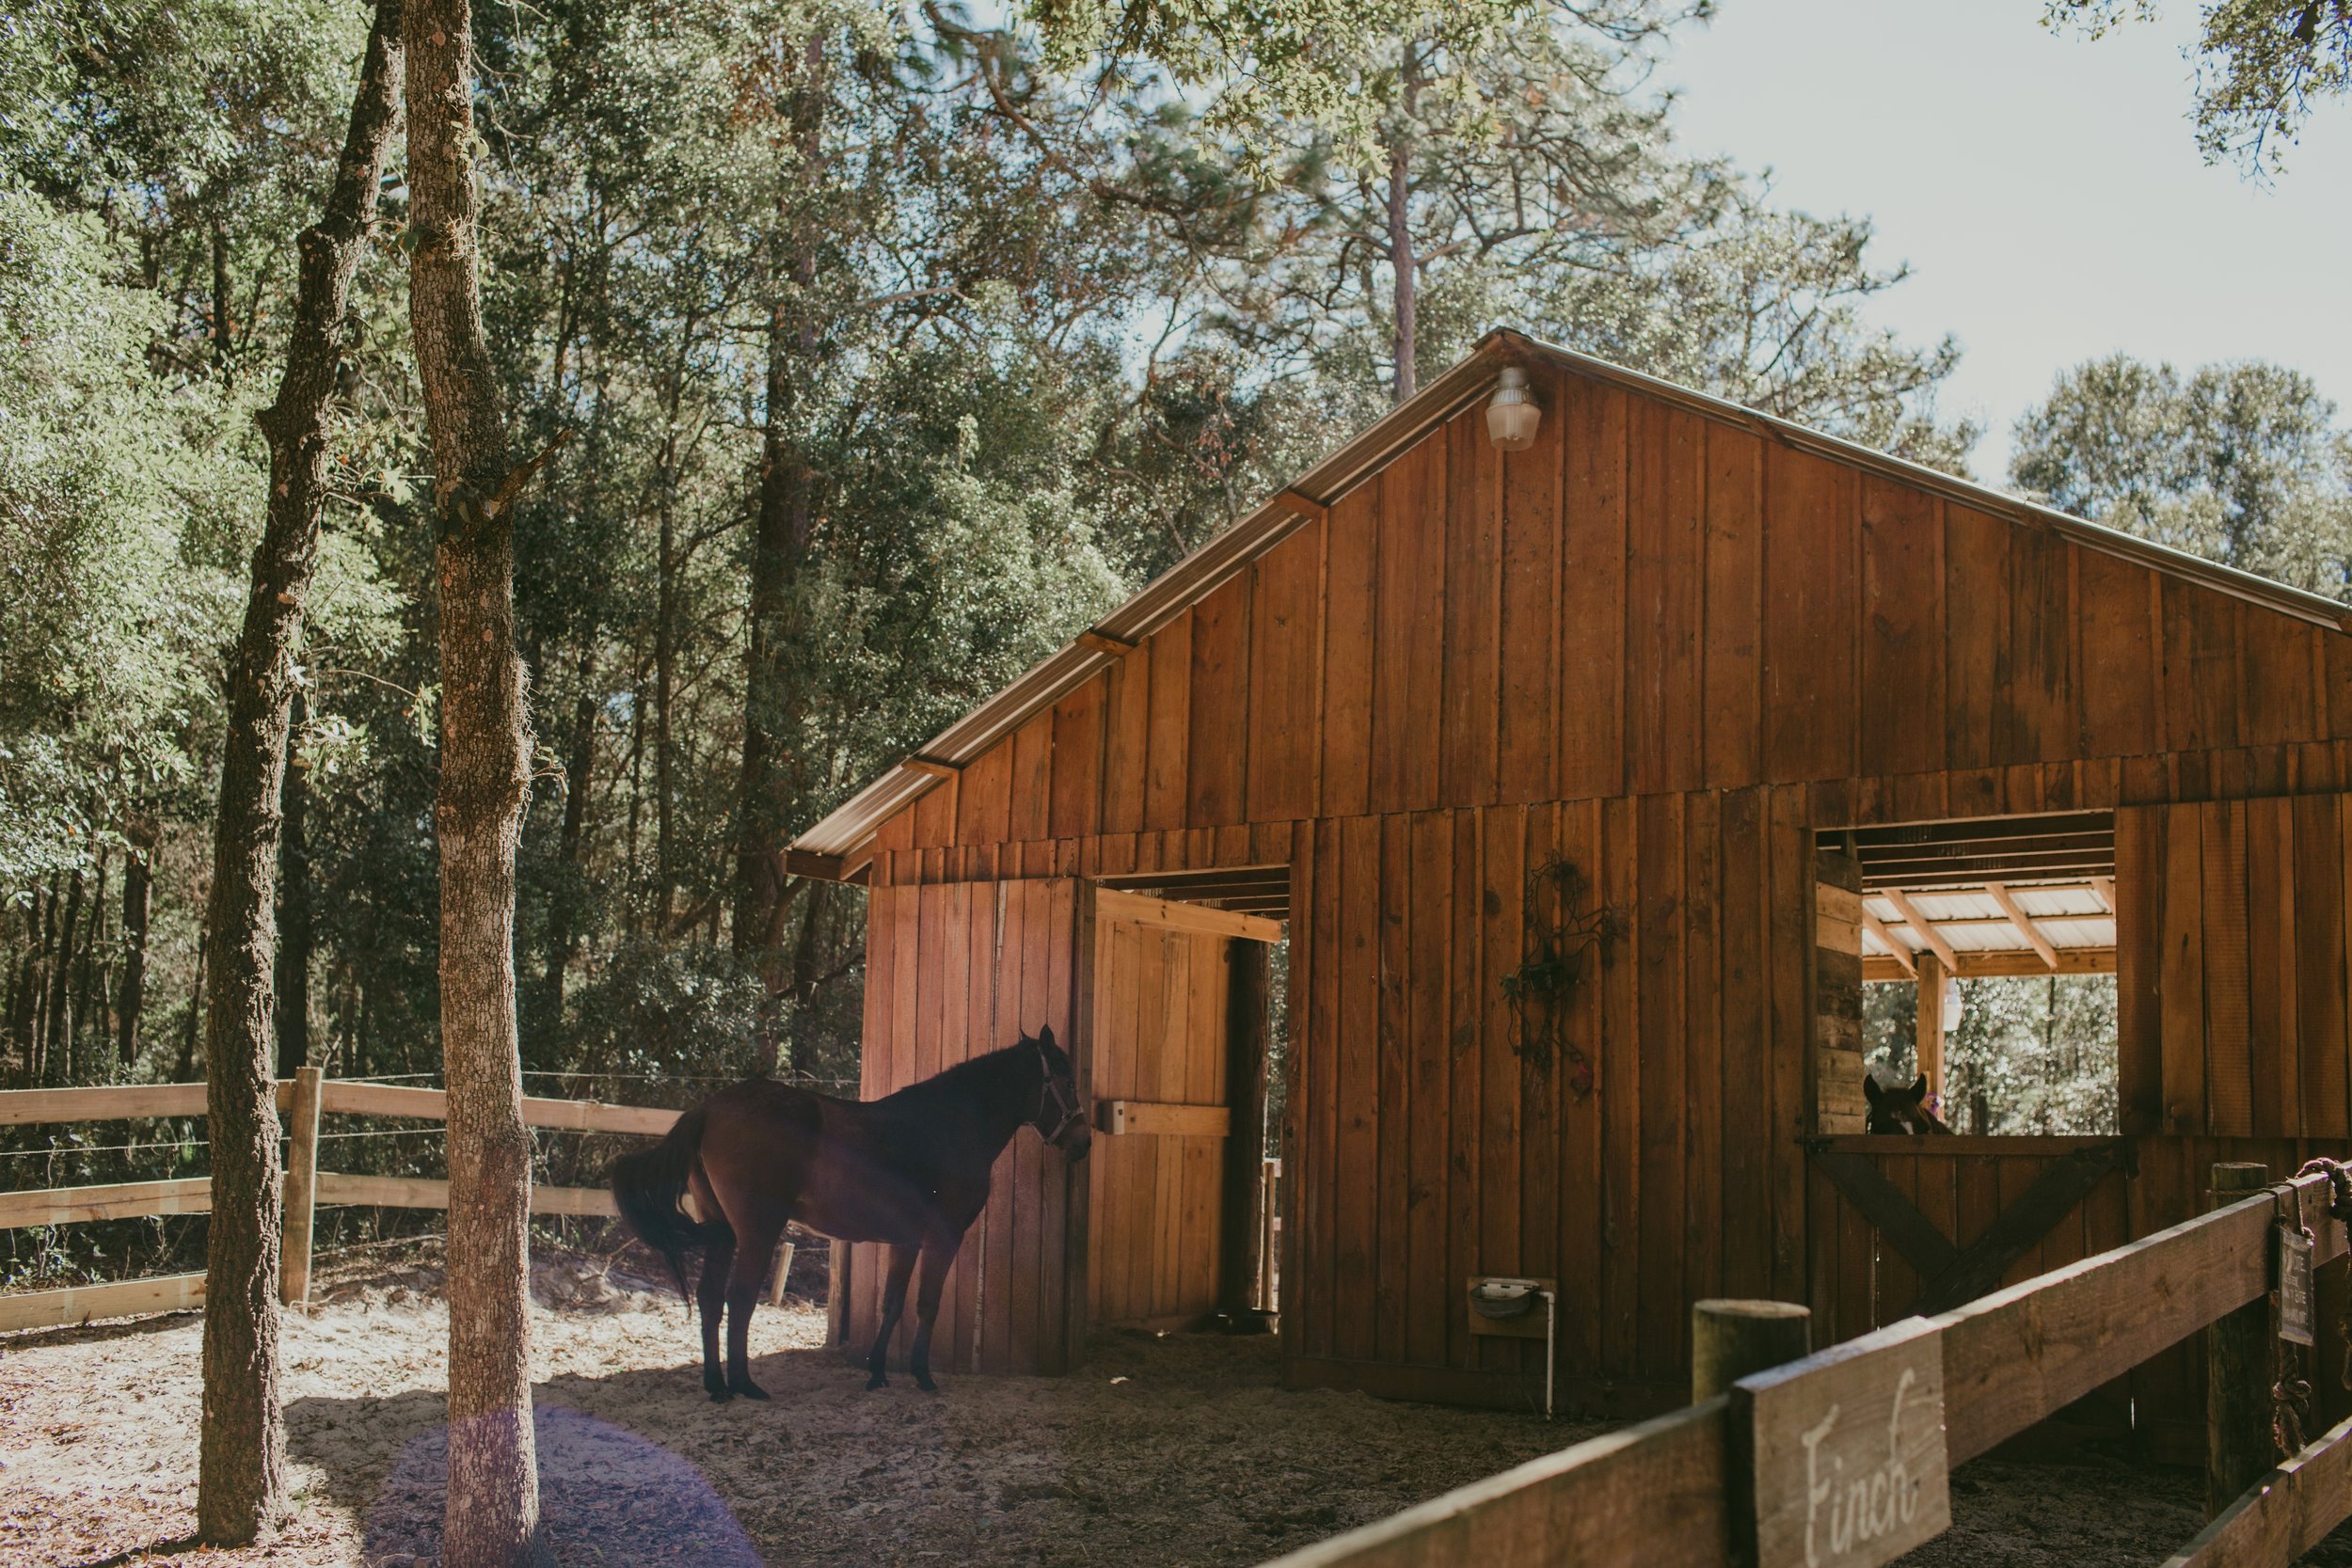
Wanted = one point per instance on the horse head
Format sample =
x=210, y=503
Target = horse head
x=1901, y=1110
x=1061, y=1116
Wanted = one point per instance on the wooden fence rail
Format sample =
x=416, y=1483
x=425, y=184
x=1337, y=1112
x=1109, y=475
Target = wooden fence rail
x=1658, y=1494
x=301, y=1101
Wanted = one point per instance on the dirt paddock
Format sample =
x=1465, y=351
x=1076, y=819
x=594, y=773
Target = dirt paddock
x=1176, y=1452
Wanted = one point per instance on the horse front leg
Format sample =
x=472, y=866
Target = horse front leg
x=938, y=1258
x=894, y=1305
x=718, y=1262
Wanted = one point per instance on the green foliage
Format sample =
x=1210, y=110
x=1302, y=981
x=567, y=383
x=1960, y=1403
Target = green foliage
x=113, y=489
x=2262, y=65
x=2033, y=1056
x=2244, y=464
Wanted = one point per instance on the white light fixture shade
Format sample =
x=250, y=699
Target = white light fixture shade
x=1513, y=414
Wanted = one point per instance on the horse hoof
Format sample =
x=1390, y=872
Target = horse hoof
x=877, y=1381
x=749, y=1389
x=924, y=1383
x=720, y=1396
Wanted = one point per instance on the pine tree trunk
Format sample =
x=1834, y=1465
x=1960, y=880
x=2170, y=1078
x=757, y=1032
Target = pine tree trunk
x=491, y=1518
x=563, y=932
x=138, y=897
x=242, y=1465
x=774, y=778
x=183, y=1066
x=1403, y=265
x=61, y=1053
x=664, y=684
x=293, y=910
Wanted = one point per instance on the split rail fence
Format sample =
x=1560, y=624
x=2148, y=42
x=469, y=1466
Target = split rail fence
x=1693, y=1489
x=302, y=1100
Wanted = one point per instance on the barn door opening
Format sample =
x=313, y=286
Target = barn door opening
x=1177, y=1207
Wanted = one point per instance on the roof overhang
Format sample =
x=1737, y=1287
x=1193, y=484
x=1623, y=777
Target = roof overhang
x=839, y=841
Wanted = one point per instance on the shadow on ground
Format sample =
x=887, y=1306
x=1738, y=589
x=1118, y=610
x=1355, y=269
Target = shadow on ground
x=1181, y=1450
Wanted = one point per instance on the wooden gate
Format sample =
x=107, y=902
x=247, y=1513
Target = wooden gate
x=1901, y=1225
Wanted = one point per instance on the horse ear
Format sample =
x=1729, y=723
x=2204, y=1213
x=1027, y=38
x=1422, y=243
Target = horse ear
x=1870, y=1090
x=1919, y=1089
x=1045, y=1035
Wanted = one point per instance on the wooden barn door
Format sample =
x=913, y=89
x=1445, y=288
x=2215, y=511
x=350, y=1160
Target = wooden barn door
x=1159, y=1047
x=955, y=970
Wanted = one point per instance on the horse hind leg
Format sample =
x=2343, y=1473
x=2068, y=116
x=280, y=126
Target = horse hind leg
x=893, y=1306
x=718, y=1264
x=938, y=1258
x=755, y=1246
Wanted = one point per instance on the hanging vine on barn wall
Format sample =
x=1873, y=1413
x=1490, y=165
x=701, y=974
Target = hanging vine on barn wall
x=1561, y=937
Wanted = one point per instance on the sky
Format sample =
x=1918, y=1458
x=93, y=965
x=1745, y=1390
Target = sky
x=2045, y=189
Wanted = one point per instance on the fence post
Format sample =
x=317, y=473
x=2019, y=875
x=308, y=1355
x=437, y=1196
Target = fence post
x=2238, y=1373
x=1732, y=1339
x=784, y=1270
x=302, y=1171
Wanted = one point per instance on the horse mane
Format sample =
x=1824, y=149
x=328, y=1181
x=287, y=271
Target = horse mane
x=961, y=1079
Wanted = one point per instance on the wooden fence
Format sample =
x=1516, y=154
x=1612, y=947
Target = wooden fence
x=301, y=1101
x=1685, y=1490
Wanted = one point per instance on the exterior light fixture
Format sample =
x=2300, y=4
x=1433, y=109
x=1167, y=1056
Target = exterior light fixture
x=1513, y=414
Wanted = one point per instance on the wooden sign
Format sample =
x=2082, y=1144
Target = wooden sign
x=2295, y=1285
x=1842, y=1453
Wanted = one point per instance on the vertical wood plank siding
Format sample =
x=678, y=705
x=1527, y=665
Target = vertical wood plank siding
x=955, y=970
x=1668, y=649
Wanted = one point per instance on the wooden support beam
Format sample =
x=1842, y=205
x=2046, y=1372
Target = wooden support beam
x=1991, y=963
x=1921, y=923
x=2105, y=888
x=2238, y=1373
x=932, y=765
x=1126, y=1117
x=1927, y=1038
x=1111, y=904
x=803, y=862
x=2024, y=925
x=1895, y=951
x=1104, y=642
x=1304, y=504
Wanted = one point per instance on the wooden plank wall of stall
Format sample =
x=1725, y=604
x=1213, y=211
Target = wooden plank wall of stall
x=955, y=972
x=1431, y=1148
x=2233, y=966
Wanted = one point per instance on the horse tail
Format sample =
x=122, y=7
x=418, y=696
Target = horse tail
x=649, y=1189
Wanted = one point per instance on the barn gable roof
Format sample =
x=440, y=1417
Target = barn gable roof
x=850, y=826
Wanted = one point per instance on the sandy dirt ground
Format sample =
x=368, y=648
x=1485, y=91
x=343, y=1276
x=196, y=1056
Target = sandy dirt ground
x=1175, y=1452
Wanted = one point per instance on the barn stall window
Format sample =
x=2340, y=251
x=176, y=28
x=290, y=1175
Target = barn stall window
x=1987, y=966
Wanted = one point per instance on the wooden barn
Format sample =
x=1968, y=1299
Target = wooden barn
x=1588, y=782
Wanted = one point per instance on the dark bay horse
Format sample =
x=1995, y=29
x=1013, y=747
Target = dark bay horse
x=910, y=1170
x=1901, y=1110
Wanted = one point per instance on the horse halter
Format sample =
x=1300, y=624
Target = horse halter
x=1053, y=1101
